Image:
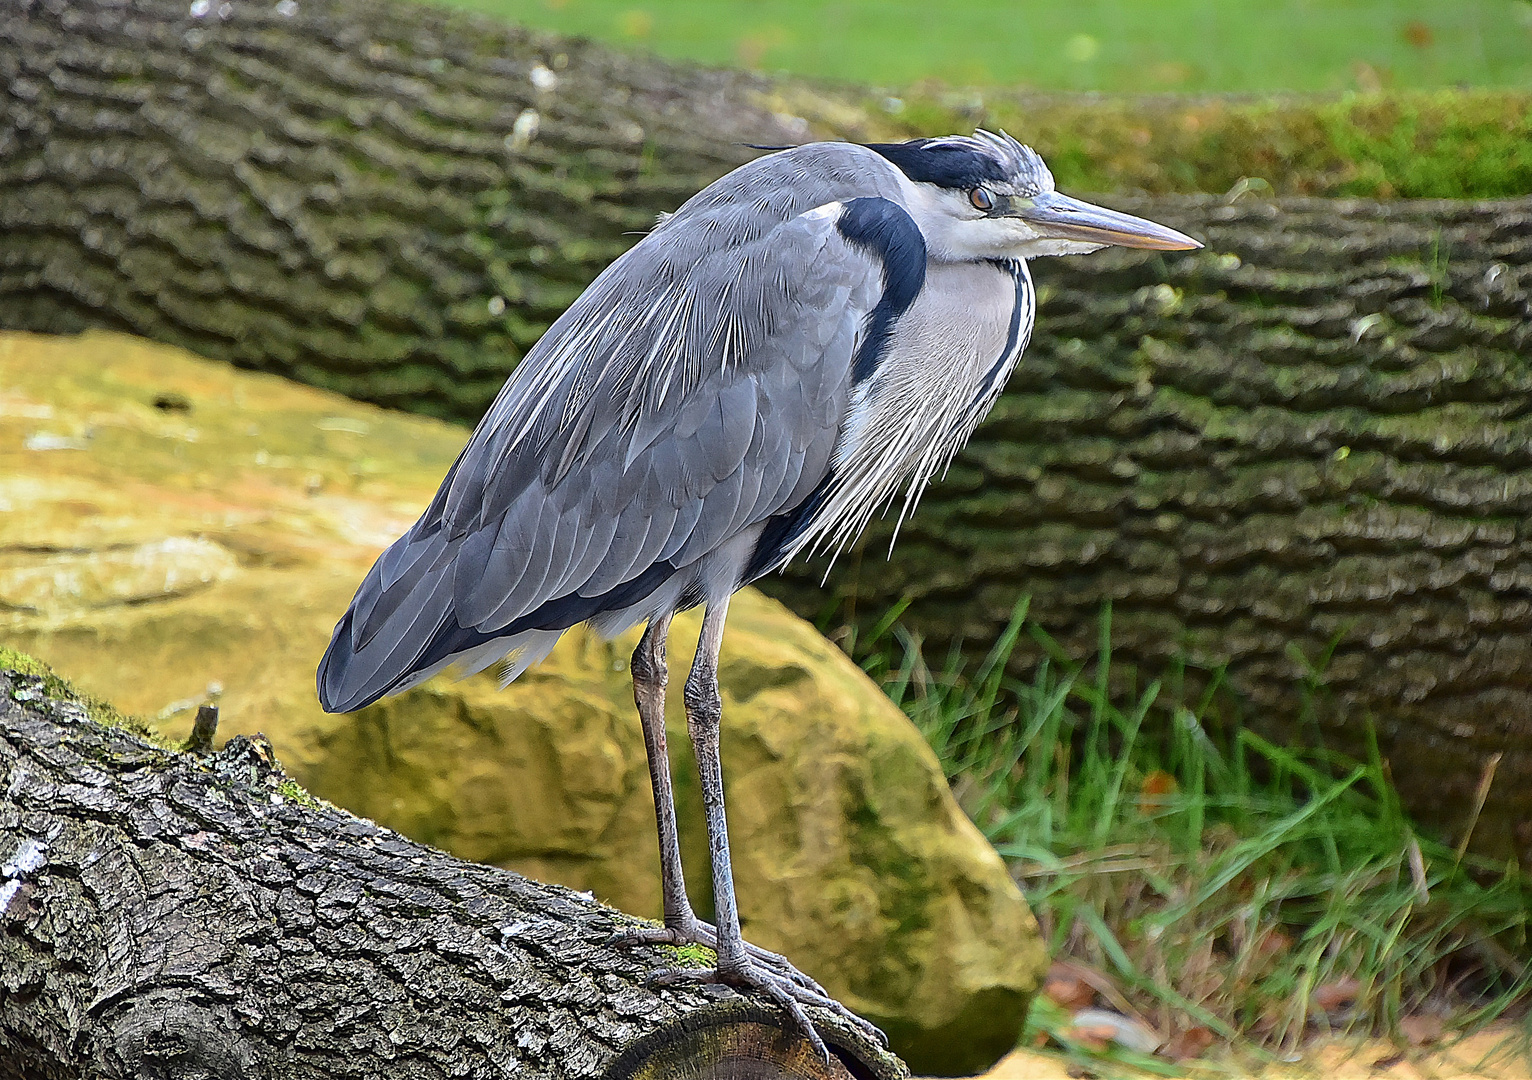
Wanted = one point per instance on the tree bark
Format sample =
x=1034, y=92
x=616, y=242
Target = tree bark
x=167, y=916
x=1312, y=435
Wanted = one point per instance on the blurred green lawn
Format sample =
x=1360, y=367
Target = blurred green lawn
x=1113, y=45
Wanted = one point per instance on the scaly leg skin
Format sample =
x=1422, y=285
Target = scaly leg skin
x=682, y=927
x=736, y=966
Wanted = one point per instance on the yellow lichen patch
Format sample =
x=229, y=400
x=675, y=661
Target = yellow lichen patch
x=174, y=529
x=56, y=582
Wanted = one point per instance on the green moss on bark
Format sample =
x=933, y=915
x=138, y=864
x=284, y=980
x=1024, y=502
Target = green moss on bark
x=58, y=689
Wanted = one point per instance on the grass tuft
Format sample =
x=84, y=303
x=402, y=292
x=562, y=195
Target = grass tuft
x=1218, y=879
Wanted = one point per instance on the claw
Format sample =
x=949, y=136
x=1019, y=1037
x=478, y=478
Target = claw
x=769, y=972
x=752, y=975
x=701, y=933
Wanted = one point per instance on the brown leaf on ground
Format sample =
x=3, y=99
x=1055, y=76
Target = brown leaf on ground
x=1103, y=984
x=1333, y=995
x=1064, y=986
x=1188, y=1044
x=1420, y=1029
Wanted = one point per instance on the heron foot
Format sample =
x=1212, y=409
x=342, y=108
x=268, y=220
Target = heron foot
x=697, y=932
x=799, y=988
x=787, y=992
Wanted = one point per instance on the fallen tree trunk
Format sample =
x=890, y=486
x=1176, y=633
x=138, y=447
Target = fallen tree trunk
x=169, y=916
x=1311, y=436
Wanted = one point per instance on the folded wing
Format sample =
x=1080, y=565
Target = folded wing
x=696, y=390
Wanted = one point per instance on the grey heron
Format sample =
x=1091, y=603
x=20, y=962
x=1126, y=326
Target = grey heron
x=757, y=376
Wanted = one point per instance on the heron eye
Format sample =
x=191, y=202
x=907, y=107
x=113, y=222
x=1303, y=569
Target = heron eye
x=981, y=199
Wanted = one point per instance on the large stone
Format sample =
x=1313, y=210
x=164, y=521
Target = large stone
x=171, y=528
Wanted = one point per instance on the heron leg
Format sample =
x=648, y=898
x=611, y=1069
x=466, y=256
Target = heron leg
x=682, y=927
x=704, y=715
x=649, y=679
x=737, y=964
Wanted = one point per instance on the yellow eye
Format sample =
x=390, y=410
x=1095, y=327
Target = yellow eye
x=981, y=199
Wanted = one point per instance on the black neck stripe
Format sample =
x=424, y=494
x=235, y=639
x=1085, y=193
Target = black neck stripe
x=887, y=232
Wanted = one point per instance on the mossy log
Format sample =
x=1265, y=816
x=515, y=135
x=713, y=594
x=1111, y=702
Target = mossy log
x=167, y=915
x=1313, y=435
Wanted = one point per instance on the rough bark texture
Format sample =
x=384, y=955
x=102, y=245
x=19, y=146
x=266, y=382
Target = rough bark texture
x=169, y=916
x=1314, y=433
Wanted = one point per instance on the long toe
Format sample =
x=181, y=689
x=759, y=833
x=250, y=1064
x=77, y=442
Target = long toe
x=780, y=964
x=824, y=1001
x=697, y=932
x=756, y=976
x=781, y=988
x=652, y=935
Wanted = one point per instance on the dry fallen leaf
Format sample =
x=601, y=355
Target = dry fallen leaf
x=1064, y=986
x=1188, y=1044
x=1333, y=995
x=1103, y=984
x=1418, y=34
x=1153, y=791
x=1274, y=942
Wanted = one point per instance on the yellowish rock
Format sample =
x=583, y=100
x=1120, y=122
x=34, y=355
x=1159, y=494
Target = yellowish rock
x=172, y=529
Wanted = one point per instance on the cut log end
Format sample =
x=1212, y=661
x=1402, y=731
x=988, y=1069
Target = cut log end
x=746, y=1043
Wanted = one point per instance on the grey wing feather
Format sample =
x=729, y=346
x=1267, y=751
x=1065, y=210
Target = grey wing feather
x=713, y=524
x=624, y=439
x=618, y=564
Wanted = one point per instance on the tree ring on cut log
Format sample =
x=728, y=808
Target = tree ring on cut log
x=743, y=1042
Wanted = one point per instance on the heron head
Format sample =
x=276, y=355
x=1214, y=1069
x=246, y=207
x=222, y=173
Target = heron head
x=989, y=197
